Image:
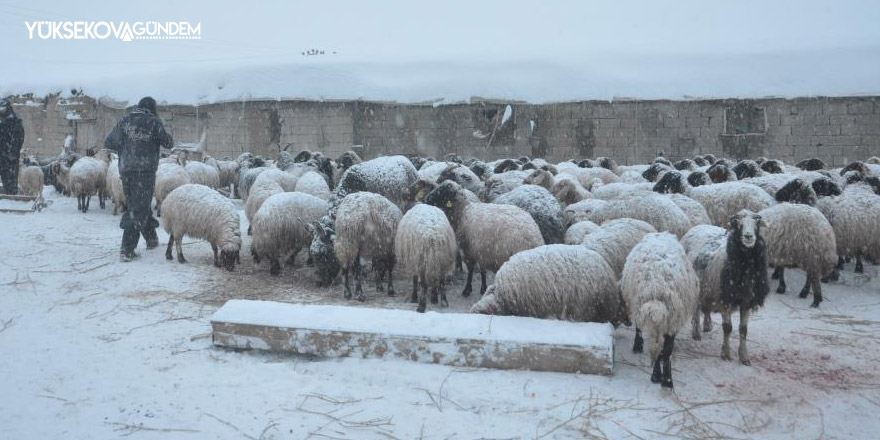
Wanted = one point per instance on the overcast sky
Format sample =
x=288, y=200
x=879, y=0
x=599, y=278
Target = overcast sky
x=617, y=41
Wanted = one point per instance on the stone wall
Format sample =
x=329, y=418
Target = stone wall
x=837, y=130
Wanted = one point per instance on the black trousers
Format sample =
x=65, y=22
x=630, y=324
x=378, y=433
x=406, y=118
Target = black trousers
x=138, y=219
x=9, y=175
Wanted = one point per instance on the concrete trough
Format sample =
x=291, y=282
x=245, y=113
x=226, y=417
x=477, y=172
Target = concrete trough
x=466, y=340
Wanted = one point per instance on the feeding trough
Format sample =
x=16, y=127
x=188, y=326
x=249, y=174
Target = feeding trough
x=16, y=204
x=456, y=339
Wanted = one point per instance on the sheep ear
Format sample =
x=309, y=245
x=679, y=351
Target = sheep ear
x=307, y=226
x=734, y=221
x=760, y=221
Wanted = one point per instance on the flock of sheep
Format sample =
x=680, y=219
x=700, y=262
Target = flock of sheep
x=658, y=245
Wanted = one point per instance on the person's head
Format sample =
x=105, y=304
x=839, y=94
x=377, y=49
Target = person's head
x=147, y=105
x=5, y=108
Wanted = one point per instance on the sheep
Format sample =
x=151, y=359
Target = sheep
x=800, y=236
x=321, y=250
x=366, y=224
x=477, y=227
x=607, y=163
x=313, y=183
x=710, y=159
x=425, y=245
x=700, y=161
x=576, y=233
x=811, y=164
x=501, y=183
x=655, y=209
x=698, y=178
x=567, y=189
x=660, y=289
x=258, y=195
x=772, y=166
x=504, y=166
x=115, y=188
x=747, y=168
x=685, y=165
x=873, y=160
x=615, y=239
x=619, y=189
x=655, y=170
x=855, y=218
x=30, y=180
x=227, y=171
x=203, y=174
x=719, y=172
x=732, y=268
x=87, y=177
x=202, y=213
x=796, y=191
x=542, y=206
x=557, y=281
x=278, y=233
x=168, y=178
x=825, y=187
x=390, y=177
x=692, y=208
x=721, y=200
x=246, y=178
x=588, y=177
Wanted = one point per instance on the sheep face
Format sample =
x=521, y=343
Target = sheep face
x=322, y=251
x=855, y=166
x=746, y=169
x=480, y=169
x=710, y=159
x=698, y=178
x=540, y=178
x=772, y=167
x=654, y=170
x=684, y=164
x=506, y=165
x=699, y=161
x=745, y=226
x=797, y=191
x=229, y=255
x=669, y=183
x=586, y=163
x=826, y=187
x=811, y=164
x=607, y=163
x=718, y=173
x=421, y=188
x=447, y=196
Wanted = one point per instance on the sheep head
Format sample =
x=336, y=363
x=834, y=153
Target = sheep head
x=811, y=164
x=586, y=163
x=684, y=164
x=772, y=167
x=607, y=163
x=855, y=166
x=448, y=196
x=671, y=182
x=699, y=161
x=825, y=187
x=797, y=191
x=540, y=178
x=745, y=226
x=746, y=169
x=698, y=178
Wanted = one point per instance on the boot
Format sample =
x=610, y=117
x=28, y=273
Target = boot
x=151, y=238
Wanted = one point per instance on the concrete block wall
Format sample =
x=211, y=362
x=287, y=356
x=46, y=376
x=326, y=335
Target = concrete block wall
x=836, y=130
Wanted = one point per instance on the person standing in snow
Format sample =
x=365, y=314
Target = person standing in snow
x=11, y=139
x=137, y=139
x=69, y=145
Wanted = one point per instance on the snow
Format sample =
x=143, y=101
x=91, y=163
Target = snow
x=405, y=323
x=505, y=50
x=101, y=349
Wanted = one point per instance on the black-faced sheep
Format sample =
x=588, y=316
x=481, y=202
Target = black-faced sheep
x=745, y=169
x=661, y=290
x=732, y=269
x=530, y=284
x=772, y=166
x=321, y=250
x=720, y=172
x=477, y=227
x=200, y=212
x=796, y=191
x=425, y=246
x=811, y=164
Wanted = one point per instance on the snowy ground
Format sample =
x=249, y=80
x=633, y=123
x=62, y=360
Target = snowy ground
x=99, y=349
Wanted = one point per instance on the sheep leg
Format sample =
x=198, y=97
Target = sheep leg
x=391, y=291
x=780, y=273
x=744, y=313
x=249, y=230
x=666, y=355
x=470, y=277
x=776, y=272
x=380, y=275
x=482, y=282
x=423, y=298
x=158, y=210
x=638, y=342
x=358, y=289
x=859, y=267
x=728, y=328
x=168, y=251
x=458, y=262
x=347, y=291
x=695, y=324
x=657, y=373
x=255, y=255
x=443, y=301
x=840, y=262
x=274, y=266
x=216, y=259
x=707, y=320
x=806, y=289
x=415, y=293
x=88, y=199
x=435, y=291
x=291, y=261
x=817, y=291
x=101, y=202
x=178, y=242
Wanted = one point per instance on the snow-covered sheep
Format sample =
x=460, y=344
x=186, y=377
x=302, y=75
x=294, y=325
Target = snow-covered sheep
x=694, y=210
x=811, y=164
x=655, y=209
x=502, y=183
x=277, y=226
x=313, y=183
x=619, y=189
x=463, y=176
x=796, y=191
x=555, y=281
x=588, y=177
x=773, y=166
x=30, y=180
x=389, y=176
x=722, y=200
x=615, y=239
x=114, y=187
x=227, y=170
x=203, y=174
x=719, y=172
x=169, y=177
x=660, y=289
x=567, y=189
x=246, y=177
x=425, y=246
x=321, y=250
x=855, y=218
x=542, y=206
x=366, y=224
x=800, y=236
x=732, y=268
x=200, y=212
x=745, y=169
x=87, y=177
x=477, y=226
x=576, y=233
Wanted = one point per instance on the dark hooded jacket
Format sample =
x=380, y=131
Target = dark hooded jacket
x=11, y=137
x=137, y=138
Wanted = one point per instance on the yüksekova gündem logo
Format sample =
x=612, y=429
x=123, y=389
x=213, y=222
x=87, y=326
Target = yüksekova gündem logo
x=122, y=30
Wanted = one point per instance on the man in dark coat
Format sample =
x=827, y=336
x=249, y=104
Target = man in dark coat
x=137, y=138
x=11, y=138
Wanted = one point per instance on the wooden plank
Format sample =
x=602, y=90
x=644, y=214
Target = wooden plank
x=16, y=211
x=18, y=198
x=502, y=342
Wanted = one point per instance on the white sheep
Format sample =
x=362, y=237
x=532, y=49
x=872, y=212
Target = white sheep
x=30, y=180
x=114, y=187
x=725, y=199
x=576, y=233
x=694, y=210
x=502, y=183
x=555, y=281
x=614, y=240
x=487, y=233
x=313, y=183
x=87, y=177
x=660, y=289
x=169, y=176
x=620, y=189
x=203, y=174
x=200, y=212
x=800, y=236
x=655, y=209
x=278, y=226
x=258, y=194
x=366, y=224
x=227, y=170
x=855, y=218
x=389, y=176
x=425, y=246
x=542, y=206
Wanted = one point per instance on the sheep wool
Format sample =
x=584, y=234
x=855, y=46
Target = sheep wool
x=169, y=177
x=615, y=239
x=313, y=183
x=578, y=231
x=278, y=229
x=200, y=212
x=542, y=206
x=30, y=180
x=114, y=187
x=425, y=245
x=203, y=174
